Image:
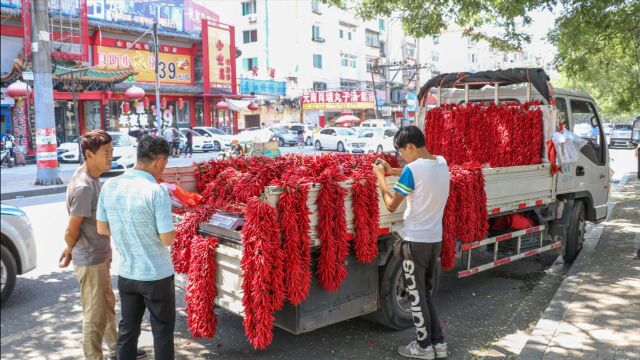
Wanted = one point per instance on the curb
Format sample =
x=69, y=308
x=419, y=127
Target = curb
x=547, y=326
x=58, y=189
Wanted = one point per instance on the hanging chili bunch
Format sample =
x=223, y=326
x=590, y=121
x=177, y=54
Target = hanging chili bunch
x=201, y=290
x=262, y=271
x=364, y=193
x=186, y=230
x=294, y=222
x=332, y=231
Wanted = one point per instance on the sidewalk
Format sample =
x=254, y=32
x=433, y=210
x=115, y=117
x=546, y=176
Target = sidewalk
x=596, y=312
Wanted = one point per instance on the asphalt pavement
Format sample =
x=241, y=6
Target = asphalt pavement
x=490, y=314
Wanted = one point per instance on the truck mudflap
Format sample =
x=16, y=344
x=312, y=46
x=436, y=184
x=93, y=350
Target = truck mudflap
x=507, y=248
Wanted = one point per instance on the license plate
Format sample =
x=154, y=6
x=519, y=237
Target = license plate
x=114, y=165
x=357, y=151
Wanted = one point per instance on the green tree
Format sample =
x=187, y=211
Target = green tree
x=598, y=41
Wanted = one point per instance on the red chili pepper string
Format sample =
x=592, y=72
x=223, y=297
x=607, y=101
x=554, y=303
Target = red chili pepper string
x=365, y=215
x=332, y=231
x=201, y=290
x=262, y=280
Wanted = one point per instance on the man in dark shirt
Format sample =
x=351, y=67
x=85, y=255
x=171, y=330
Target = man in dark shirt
x=188, y=149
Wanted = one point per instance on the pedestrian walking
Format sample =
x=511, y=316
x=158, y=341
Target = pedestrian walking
x=189, y=143
x=424, y=183
x=175, y=141
x=301, y=138
x=90, y=251
x=136, y=211
x=9, y=142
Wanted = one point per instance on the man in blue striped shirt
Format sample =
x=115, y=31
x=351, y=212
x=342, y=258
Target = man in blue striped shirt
x=136, y=212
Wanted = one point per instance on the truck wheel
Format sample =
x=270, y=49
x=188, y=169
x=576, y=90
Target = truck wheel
x=8, y=271
x=394, y=311
x=575, y=232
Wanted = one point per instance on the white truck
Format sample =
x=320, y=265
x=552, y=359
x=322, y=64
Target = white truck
x=560, y=205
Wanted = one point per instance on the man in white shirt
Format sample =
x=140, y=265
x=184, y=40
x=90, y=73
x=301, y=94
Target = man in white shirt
x=424, y=183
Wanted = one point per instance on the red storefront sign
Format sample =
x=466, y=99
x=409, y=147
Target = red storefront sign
x=340, y=99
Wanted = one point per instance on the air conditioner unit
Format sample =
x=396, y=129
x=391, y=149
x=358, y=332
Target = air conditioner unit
x=252, y=19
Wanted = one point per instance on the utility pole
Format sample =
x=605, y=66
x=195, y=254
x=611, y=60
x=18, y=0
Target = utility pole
x=46, y=144
x=156, y=48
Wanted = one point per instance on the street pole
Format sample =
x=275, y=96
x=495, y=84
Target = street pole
x=156, y=49
x=46, y=144
x=77, y=117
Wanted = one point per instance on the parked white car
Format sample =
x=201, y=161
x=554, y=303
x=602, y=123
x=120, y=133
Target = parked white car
x=220, y=138
x=377, y=123
x=124, y=151
x=200, y=142
x=371, y=140
x=308, y=131
x=334, y=138
x=18, y=248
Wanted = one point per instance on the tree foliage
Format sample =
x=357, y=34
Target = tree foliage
x=598, y=41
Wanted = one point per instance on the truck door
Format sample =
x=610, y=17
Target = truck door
x=592, y=169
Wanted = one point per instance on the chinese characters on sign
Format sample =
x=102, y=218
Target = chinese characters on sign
x=173, y=68
x=219, y=51
x=341, y=99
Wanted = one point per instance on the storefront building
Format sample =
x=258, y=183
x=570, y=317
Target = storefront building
x=114, y=54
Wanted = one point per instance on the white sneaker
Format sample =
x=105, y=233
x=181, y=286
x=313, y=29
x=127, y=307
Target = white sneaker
x=441, y=350
x=413, y=350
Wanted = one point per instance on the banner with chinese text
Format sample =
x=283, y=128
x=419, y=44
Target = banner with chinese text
x=340, y=99
x=173, y=68
x=219, y=55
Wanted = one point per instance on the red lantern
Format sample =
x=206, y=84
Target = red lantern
x=146, y=103
x=253, y=107
x=180, y=103
x=222, y=105
x=272, y=73
x=125, y=107
x=134, y=93
x=163, y=103
x=17, y=90
x=255, y=71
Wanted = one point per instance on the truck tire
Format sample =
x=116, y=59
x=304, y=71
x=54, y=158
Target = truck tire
x=8, y=272
x=394, y=310
x=575, y=232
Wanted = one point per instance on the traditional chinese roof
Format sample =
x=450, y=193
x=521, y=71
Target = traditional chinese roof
x=90, y=75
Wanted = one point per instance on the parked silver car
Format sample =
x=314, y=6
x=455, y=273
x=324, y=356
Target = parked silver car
x=18, y=247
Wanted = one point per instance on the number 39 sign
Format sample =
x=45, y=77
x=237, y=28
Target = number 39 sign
x=172, y=68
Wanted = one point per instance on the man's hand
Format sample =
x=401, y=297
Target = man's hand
x=65, y=258
x=387, y=167
x=379, y=170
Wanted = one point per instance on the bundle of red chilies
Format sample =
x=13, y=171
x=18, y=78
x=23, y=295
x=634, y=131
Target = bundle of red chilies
x=276, y=242
x=471, y=137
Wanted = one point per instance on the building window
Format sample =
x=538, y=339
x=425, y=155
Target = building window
x=381, y=24
x=473, y=58
x=347, y=61
x=317, y=61
x=373, y=38
x=371, y=62
x=319, y=86
x=410, y=50
x=345, y=32
x=250, y=36
x=348, y=84
x=436, y=39
x=315, y=33
x=315, y=6
x=249, y=64
x=248, y=7
x=435, y=57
